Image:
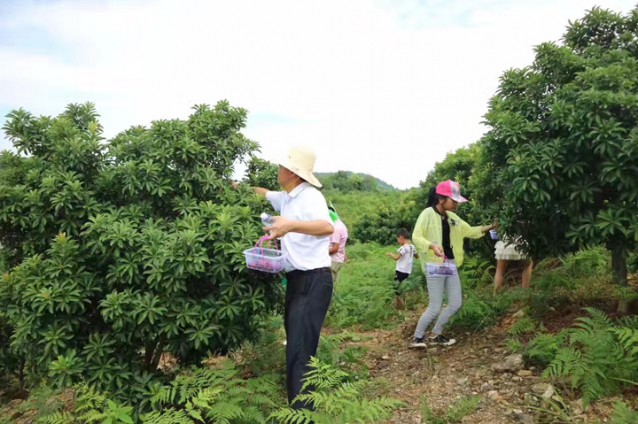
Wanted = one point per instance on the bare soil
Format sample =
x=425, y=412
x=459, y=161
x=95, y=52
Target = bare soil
x=443, y=375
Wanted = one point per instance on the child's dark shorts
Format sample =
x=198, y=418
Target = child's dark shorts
x=399, y=277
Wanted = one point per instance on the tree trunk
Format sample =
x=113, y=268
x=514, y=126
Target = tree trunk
x=149, y=350
x=619, y=270
x=21, y=378
x=159, y=349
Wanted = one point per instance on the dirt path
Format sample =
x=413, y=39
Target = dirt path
x=445, y=375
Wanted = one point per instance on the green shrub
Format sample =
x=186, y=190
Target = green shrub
x=561, y=133
x=122, y=251
x=358, y=210
x=261, y=173
x=382, y=226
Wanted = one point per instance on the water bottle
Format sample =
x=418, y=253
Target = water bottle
x=266, y=218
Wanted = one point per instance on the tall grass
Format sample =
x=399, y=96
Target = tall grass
x=364, y=295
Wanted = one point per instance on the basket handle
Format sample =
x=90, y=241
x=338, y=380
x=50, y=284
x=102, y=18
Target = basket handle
x=260, y=242
x=265, y=239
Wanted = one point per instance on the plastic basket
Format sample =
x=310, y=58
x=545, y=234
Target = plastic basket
x=265, y=259
x=445, y=269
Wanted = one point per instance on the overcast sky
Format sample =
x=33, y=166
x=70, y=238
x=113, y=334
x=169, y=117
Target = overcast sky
x=385, y=87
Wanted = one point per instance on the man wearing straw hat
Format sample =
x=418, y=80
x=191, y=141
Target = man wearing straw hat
x=304, y=228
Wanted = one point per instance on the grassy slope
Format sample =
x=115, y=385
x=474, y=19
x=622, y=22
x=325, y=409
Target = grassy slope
x=364, y=295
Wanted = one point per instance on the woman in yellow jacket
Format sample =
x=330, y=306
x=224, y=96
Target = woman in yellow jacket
x=438, y=237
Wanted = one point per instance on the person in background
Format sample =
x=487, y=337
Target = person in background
x=404, y=258
x=304, y=228
x=508, y=250
x=438, y=236
x=338, y=242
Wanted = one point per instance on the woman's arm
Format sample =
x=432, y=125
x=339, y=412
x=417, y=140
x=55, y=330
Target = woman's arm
x=476, y=231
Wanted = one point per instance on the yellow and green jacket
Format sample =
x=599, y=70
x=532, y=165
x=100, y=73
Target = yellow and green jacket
x=429, y=229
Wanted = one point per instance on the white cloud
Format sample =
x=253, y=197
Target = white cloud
x=383, y=87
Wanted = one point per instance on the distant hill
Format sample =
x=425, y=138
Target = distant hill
x=348, y=181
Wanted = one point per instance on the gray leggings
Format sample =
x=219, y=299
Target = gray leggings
x=436, y=285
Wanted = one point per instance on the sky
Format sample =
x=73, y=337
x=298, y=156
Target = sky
x=384, y=87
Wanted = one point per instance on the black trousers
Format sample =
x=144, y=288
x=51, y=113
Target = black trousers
x=308, y=295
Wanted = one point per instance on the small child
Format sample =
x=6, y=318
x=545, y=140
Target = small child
x=404, y=256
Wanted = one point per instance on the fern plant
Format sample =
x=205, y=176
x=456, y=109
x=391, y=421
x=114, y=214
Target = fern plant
x=88, y=401
x=59, y=417
x=45, y=400
x=628, y=337
x=203, y=395
x=91, y=406
x=349, y=358
x=595, y=357
x=542, y=349
x=168, y=416
x=523, y=325
x=513, y=344
x=114, y=413
x=623, y=414
x=335, y=400
x=214, y=395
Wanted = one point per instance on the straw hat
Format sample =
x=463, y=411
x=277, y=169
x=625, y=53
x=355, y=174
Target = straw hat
x=301, y=161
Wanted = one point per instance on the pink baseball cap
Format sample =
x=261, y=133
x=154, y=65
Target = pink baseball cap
x=450, y=189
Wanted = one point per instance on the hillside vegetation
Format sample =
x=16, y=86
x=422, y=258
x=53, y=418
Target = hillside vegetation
x=352, y=181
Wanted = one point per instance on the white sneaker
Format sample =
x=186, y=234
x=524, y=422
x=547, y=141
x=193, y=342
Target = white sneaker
x=418, y=343
x=441, y=340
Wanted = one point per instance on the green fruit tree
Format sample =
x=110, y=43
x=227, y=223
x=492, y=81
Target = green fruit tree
x=121, y=251
x=561, y=158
